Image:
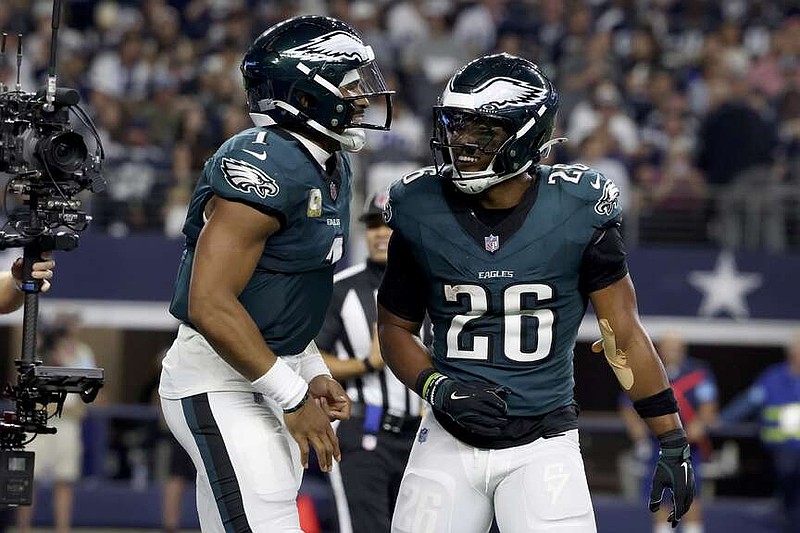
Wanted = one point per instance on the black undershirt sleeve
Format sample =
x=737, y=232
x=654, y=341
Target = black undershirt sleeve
x=603, y=260
x=402, y=289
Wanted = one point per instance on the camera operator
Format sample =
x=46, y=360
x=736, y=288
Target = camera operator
x=11, y=295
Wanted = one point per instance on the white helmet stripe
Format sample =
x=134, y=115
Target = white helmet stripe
x=525, y=127
x=319, y=79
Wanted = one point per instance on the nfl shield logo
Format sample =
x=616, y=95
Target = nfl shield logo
x=334, y=191
x=491, y=243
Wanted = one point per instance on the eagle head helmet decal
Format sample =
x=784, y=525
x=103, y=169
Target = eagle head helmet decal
x=498, y=94
x=335, y=46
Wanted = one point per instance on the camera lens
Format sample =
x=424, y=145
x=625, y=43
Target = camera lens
x=64, y=151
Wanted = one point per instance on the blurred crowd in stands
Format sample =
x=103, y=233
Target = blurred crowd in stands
x=691, y=106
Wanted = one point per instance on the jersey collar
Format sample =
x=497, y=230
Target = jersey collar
x=462, y=210
x=319, y=155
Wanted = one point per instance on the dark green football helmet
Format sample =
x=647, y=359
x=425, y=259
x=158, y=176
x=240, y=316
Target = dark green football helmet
x=501, y=105
x=315, y=71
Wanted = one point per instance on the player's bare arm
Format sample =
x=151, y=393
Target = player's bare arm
x=617, y=304
x=401, y=347
x=226, y=256
x=647, y=385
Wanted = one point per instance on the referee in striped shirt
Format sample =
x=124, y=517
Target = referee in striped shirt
x=377, y=439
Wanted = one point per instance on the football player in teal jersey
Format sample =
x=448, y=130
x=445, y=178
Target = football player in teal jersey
x=504, y=253
x=243, y=387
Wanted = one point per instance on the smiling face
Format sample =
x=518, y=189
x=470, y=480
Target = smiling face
x=480, y=143
x=378, y=234
x=473, y=139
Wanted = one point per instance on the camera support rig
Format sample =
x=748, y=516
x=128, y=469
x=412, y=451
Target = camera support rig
x=48, y=163
x=38, y=385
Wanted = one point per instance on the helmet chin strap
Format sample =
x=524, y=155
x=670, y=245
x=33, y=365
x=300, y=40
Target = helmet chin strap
x=351, y=139
x=544, y=150
x=477, y=185
x=478, y=181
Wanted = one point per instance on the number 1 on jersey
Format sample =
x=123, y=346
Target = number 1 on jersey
x=336, y=251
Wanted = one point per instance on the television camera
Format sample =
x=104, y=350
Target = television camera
x=47, y=163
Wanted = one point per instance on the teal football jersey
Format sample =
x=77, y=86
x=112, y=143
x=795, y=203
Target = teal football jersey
x=291, y=287
x=505, y=302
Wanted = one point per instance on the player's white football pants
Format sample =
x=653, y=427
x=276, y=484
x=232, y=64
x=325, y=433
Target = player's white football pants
x=450, y=487
x=248, y=464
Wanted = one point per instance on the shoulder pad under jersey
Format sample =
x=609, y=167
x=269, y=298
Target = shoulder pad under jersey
x=588, y=186
x=402, y=192
x=257, y=174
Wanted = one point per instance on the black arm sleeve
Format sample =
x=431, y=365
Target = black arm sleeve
x=603, y=260
x=402, y=290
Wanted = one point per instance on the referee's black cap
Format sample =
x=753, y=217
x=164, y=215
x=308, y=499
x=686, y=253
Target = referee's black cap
x=373, y=208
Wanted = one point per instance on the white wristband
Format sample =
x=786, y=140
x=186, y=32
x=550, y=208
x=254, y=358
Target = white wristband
x=311, y=363
x=283, y=385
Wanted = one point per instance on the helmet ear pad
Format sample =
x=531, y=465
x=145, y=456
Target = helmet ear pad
x=304, y=101
x=326, y=108
x=519, y=151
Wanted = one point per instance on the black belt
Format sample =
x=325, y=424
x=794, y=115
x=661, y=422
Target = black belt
x=389, y=422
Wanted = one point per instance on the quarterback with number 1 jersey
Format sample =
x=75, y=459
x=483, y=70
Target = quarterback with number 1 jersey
x=275, y=172
x=272, y=171
x=243, y=387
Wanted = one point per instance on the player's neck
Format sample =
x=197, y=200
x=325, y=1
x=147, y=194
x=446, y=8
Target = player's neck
x=320, y=139
x=506, y=194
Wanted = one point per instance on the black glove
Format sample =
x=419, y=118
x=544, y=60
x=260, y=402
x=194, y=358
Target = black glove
x=673, y=471
x=478, y=407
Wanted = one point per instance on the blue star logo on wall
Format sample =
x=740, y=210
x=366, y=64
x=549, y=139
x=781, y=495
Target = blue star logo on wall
x=725, y=289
